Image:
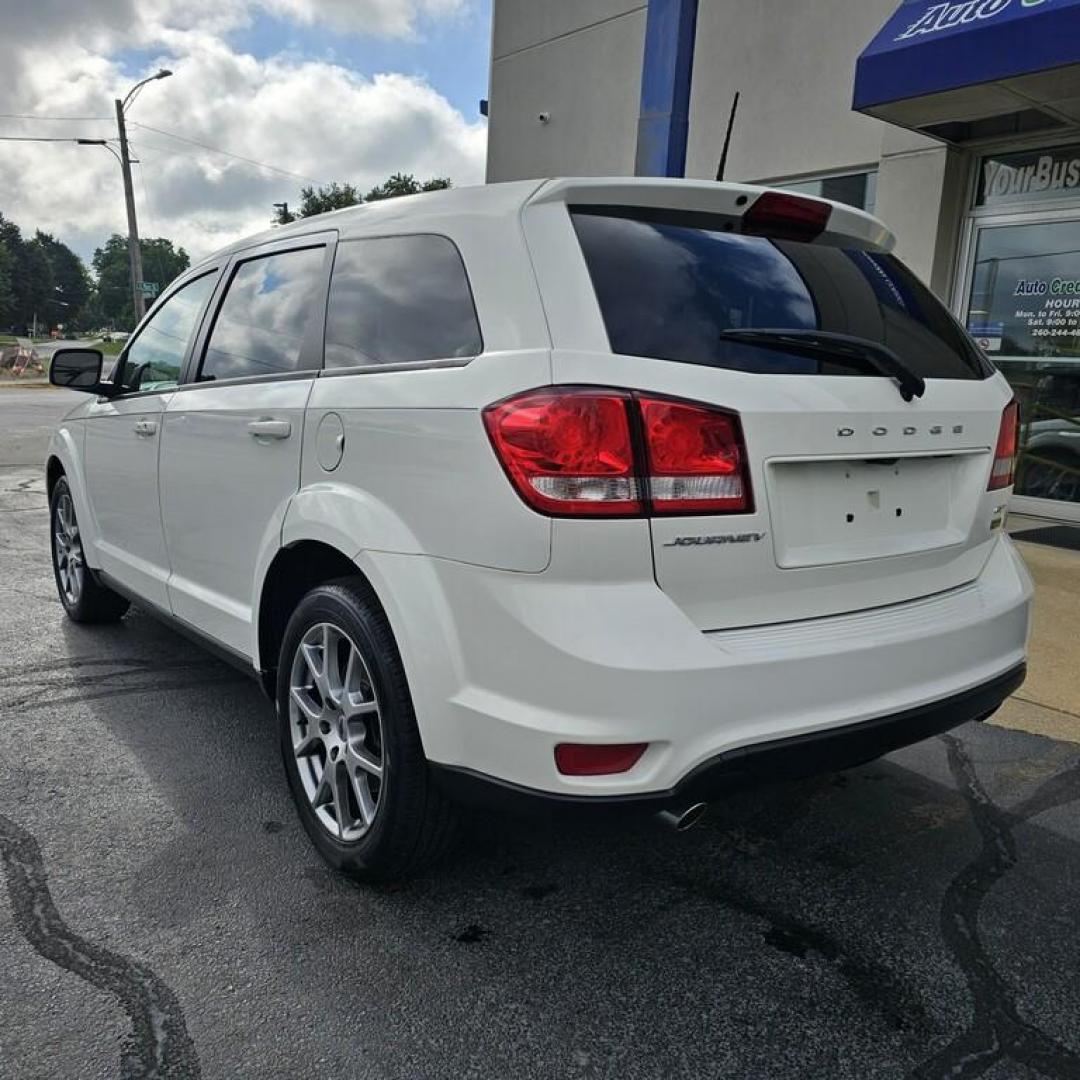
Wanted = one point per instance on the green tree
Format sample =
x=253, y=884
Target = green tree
x=7, y=294
x=335, y=196
x=318, y=201
x=70, y=279
x=31, y=278
x=406, y=184
x=161, y=264
x=40, y=286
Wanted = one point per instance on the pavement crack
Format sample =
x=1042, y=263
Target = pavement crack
x=873, y=983
x=159, y=1047
x=997, y=1031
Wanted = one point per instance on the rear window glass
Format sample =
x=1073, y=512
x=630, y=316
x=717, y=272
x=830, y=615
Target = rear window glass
x=669, y=285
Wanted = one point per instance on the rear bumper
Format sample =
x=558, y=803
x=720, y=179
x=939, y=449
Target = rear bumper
x=776, y=760
x=505, y=666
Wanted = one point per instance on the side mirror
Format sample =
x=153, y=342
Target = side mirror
x=77, y=369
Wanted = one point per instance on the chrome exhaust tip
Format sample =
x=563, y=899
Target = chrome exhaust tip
x=686, y=818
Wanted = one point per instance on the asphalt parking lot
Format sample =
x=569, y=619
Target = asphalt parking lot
x=165, y=916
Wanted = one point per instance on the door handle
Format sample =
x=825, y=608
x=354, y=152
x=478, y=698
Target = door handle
x=146, y=427
x=268, y=428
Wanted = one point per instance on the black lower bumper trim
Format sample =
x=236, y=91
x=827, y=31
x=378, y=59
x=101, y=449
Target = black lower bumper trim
x=779, y=759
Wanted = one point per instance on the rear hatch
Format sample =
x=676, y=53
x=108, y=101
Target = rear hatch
x=869, y=427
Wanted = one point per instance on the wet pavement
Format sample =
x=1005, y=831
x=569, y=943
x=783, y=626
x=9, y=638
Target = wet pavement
x=162, y=913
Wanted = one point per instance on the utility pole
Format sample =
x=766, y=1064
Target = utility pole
x=134, y=251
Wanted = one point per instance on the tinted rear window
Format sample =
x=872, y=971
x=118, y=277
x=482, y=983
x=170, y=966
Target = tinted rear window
x=668, y=285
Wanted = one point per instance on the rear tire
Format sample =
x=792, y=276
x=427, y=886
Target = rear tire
x=84, y=598
x=350, y=743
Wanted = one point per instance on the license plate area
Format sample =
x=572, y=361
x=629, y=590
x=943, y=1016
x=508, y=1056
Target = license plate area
x=849, y=509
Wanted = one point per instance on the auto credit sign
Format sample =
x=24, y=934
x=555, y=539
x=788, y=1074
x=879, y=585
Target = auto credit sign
x=937, y=18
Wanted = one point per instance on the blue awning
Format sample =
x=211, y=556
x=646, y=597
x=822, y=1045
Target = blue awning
x=935, y=63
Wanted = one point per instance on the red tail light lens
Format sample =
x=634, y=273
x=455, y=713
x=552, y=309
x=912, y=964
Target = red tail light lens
x=696, y=459
x=582, y=759
x=585, y=452
x=1008, y=443
x=786, y=217
x=568, y=451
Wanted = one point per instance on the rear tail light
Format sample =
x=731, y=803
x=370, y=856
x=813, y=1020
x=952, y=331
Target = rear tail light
x=568, y=451
x=781, y=216
x=587, y=759
x=584, y=452
x=1008, y=443
x=696, y=459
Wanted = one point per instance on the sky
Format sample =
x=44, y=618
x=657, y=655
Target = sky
x=311, y=90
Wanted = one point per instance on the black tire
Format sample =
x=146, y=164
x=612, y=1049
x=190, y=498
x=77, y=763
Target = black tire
x=90, y=602
x=414, y=823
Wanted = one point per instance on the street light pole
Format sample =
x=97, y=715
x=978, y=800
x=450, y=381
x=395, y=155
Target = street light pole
x=134, y=251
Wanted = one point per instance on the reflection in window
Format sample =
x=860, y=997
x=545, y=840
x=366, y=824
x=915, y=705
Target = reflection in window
x=399, y=299
x=262, y=322
x=154, y=359
x=670, y=284
x=1025, y=290
x=851, y=189
x=1024, y=308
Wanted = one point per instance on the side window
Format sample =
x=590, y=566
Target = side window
x=262, y=322
x=399, y=299
x=154, y=359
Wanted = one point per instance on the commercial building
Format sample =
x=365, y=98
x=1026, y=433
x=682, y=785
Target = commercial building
x=956, y=123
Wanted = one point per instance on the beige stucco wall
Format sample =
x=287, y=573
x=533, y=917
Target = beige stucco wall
x=793, y=64
x=579, y=61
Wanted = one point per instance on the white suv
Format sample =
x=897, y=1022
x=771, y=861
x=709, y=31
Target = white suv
x=582, y=491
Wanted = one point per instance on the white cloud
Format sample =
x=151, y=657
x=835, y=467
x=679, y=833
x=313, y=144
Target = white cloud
x=312, y=118
x=393, y=18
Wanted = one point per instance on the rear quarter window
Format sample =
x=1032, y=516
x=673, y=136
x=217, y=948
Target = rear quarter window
x=399, y=300
x=669, y=285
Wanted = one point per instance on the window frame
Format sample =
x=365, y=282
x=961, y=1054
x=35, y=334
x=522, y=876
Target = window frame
x=186, y=279
x=311, y=357
x=402, y=365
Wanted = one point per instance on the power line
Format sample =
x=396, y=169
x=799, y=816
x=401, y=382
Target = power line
x=218, y=150
x=32, y=116
x=32, y=138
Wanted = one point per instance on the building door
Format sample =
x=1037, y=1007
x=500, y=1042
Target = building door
x=1020, y=299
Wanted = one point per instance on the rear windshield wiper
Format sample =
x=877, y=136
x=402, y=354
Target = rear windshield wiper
x=825, y=342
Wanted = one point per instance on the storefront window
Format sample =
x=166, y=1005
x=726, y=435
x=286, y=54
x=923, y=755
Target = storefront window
x=852, y=189
x=1024, y=310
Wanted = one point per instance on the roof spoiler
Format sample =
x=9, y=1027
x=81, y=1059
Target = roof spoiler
x=837, y=222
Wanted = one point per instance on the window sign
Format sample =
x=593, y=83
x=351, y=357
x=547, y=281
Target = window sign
x=1024, y=310
x=1025, y=290
x=1033, y=175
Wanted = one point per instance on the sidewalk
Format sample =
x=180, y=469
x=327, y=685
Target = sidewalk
x=1049, y=702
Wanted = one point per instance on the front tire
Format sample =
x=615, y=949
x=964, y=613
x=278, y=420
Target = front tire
x=84, y=598
x=350, y=743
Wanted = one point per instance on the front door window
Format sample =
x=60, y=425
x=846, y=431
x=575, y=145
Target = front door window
x=1023, y=308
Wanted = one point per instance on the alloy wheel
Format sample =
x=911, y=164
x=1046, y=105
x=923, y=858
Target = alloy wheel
x=335, y=724
x=67, y=546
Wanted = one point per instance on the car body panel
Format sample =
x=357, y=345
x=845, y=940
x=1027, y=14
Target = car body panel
x=517, y=631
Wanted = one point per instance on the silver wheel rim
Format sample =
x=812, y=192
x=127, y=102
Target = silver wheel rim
x=67, y=547
x=335, y=725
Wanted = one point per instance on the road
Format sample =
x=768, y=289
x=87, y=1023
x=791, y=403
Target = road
x=165, y=916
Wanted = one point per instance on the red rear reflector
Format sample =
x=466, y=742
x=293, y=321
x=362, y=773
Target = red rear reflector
x=786, y=217
x=583, y=759
x=696, y=458
x=1008, y=442
x=568, y=451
